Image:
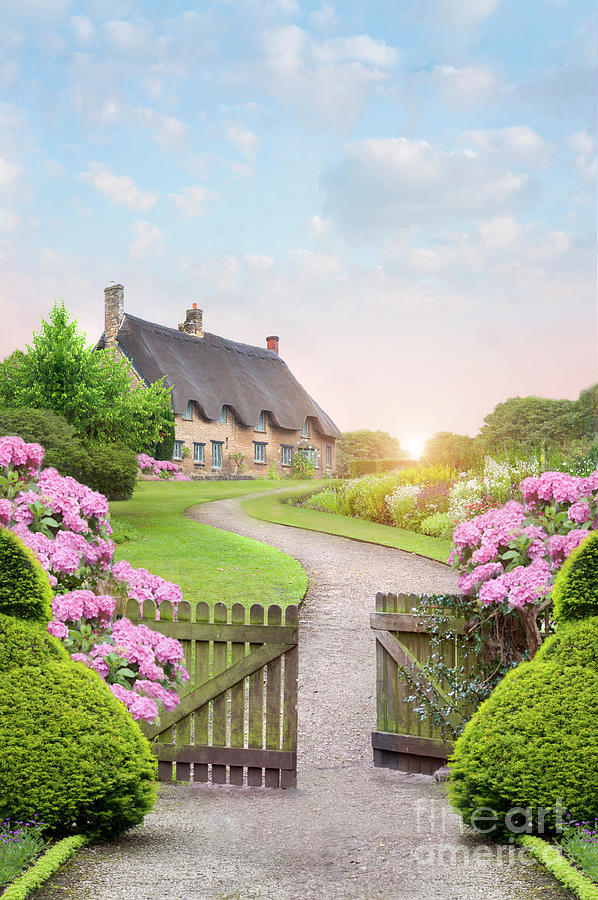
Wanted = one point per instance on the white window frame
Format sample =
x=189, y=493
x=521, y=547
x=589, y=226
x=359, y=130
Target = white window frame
x=261, y=422
x=305, y=429
x=286, y=454
x=312, y=455
x=177, y=452
x=218, y=444
x=259, y=452
x=222, y=418
x=202, y=453
x=188, y=414
x=328, y=455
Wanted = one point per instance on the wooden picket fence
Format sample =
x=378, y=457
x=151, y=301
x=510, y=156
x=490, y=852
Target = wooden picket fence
x=237, y=719
x=402, y=740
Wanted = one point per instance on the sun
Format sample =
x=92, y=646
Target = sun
x=414, y=445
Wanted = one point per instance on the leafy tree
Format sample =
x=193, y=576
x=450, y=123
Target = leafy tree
x=95, y=390
x=365, y=444
x=458, y=451
x=531, y=423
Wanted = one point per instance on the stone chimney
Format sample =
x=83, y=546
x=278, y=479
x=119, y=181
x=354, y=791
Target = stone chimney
x=114, y=312
x=193, y=323
x=272, y=343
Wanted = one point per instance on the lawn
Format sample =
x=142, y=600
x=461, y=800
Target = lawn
x=207, y=563
x=275, y=508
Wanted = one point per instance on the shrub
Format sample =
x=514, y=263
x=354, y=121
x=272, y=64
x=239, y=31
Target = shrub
x=70, y=753
x=326, y=501
x=366, y=498
x=24, y=642
x=575, y=591
x=574, y=644
x=24, y=586
x=64, y=450
x=437, y=525
x=402, y=504
x=533, y=743
x=111, y=470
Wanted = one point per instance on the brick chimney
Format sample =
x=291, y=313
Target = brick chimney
x=272, y=343
x=114, y=312
x=193, y=323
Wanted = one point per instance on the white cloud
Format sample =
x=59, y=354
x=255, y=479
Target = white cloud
x=359, y=48
x=119, y=189
x=384, y=184
x=193, y=200
x=132, y=39
x=148, y=238
x=256, y=261
x=82, y=28
x=9, y=221
x=243, y=139
x=242, y=169
x=323, y=18
x=319, y=225
x=461, y=13
x=315, y=265
x=8, y=172
x=170, y=132
x=516, y=143
x=463, y=87
x=584, y=145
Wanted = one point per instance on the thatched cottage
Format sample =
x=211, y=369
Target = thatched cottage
x=228, y=399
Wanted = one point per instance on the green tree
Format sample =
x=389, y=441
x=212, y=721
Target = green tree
x=95, y=390
x=531, y=423
x=365, y=444
x=449, y=449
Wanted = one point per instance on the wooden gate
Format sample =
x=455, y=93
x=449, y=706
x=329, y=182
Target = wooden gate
x=402, y=740
x=237, y=719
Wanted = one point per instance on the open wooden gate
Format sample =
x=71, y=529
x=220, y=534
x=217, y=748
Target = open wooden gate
x=237, y=720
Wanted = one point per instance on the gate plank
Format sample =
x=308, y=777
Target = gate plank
x=232, y=756
x=219, y=704
x=273, y=700
x=288, y=777
x=202, y=675
x=256, y=702
x=183, y=728
x=237, y=698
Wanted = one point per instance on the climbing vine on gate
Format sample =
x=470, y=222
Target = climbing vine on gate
x=492, y=636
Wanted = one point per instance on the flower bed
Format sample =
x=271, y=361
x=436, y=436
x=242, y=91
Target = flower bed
x=151, y=469
x=66, y=525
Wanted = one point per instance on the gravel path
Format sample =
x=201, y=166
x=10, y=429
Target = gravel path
x=349, y=831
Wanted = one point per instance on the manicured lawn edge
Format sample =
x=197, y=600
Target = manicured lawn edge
x=274, y=508
x=46, y=865
x=551, y=858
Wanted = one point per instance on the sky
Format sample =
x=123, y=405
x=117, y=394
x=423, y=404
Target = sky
x=404, y=192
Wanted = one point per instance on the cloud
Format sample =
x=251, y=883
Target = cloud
x=8, y=172
x=385, y=184
x=463, y=87
x=516, y=143
x=243, y=139
x=82, y=28
x=360, y=48
x=319, y=225
x=459, y=14
x=120, y=189
x=193, y=200
x=148, y=238
x=323, y=18
x=256, y=261
x=584, y=145
x=170, y=133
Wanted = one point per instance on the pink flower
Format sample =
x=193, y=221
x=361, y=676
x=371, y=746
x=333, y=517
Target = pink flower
x=58, y=629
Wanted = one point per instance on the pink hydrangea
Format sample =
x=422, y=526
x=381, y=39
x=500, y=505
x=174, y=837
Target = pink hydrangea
x=15, y=453
x=77, y=605
x=58, y=629
x=141, y=585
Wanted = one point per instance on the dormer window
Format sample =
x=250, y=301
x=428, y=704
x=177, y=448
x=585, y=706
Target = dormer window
x=188, y=414
x=305, y=429
x=222, y=416
x=261, y=422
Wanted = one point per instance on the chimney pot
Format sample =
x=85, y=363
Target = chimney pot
x=114, y=312
x=272, y=343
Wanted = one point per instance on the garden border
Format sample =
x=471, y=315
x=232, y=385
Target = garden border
x=550, y=856
x=46, y=865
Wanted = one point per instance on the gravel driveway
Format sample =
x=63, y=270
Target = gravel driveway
x=349, y=830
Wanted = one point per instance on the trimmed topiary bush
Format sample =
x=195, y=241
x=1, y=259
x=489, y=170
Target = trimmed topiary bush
x=532, y=744
x=575, y=591
x=574, y=644
x=26, y=643
x=111, y=470
x=71, y=753
x=24, y=586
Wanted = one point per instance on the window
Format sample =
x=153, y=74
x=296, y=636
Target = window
x=216, y=454
x=259, y=452
x=286, y=454
x=198, y=454
x=305, y=429
x=222, y=416
x=188, y=414
x=178, y=450
x=328, y=455
x=312, y=455
x=261, y=422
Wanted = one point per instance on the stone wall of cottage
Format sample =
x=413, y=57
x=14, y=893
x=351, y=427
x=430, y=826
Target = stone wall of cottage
x=237, y=438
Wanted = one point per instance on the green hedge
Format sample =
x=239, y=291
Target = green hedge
x=564, y=871
x=45, y=867
x=532, y=743
x=70, y=753
x=108, y=468
x=575, y=643
x=575, y=591
x=361, y=467
x=24, y=586
x=23, y=642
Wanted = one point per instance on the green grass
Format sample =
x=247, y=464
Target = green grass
x=207, y=563
x=275, y=508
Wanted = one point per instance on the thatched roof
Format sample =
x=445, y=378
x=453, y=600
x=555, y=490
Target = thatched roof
x=213, y=371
